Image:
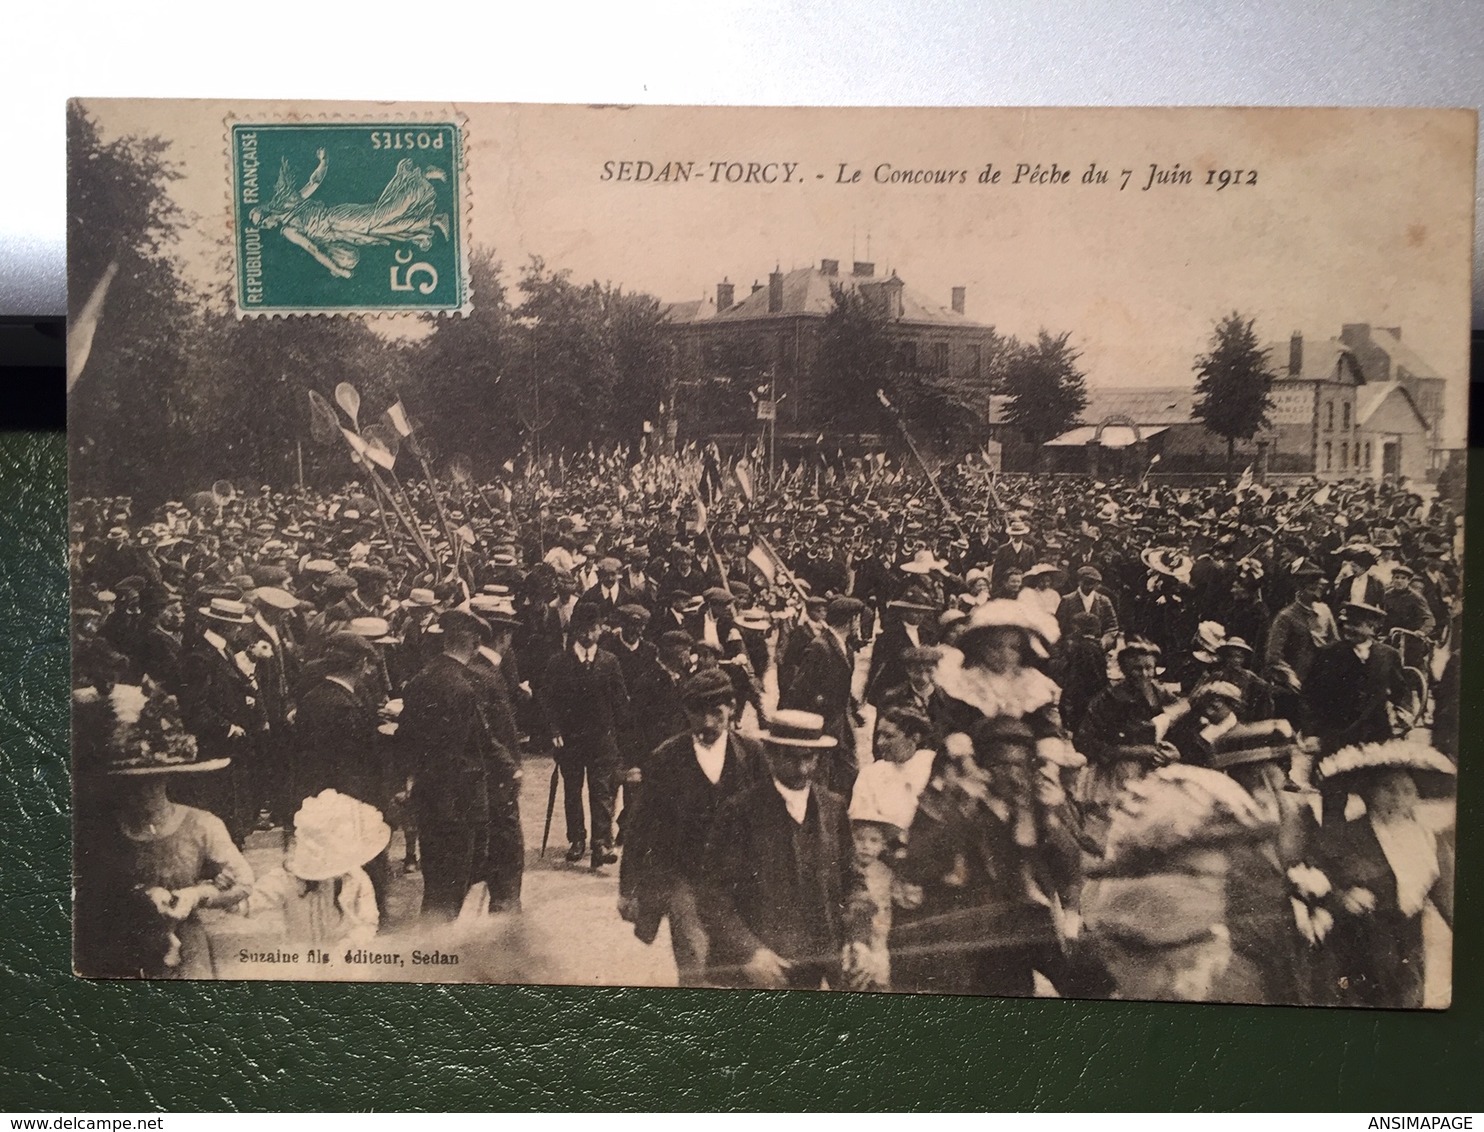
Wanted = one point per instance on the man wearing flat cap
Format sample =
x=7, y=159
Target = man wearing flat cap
x=607, y=594
x=686, y=781
x=1089, y=597
x=822, y=685
x=445, y=746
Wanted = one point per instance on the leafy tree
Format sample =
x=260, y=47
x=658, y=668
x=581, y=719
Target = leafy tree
x=131, y=406
x=857, y=356
x=593, y=362
x=1046, y=390
x=457, y=385
x=1233, y=383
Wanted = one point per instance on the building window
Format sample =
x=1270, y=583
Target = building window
x=906, y=355
x=940, y=357
x=1345, y=416
x=1329, y=455
x=976, y=360
x=1329, y=418
x=1344, y=455
x=1368, y=455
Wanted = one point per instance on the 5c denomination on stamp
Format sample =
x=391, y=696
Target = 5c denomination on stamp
x=348, y=217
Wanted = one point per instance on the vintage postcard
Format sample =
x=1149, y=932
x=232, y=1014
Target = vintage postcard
x=1000, y=552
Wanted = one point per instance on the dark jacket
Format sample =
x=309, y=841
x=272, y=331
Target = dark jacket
x=336, y=746
x=585, y=701
x=1348, y=697
x=757, y=892
x=887, y=667
x=445, y=745
x=667, y=840
x=822, y=685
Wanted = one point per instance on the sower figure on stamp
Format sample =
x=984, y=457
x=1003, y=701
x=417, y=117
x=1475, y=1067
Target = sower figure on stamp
x=404, y=214
x=586, y=705
x=686, y=781
x=783, y=899
x=446, y=746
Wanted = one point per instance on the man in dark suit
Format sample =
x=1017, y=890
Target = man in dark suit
x=1405, y=607
x=1353, y=683
x=586, y=706
x=1089, y=598
x=1017, y=553
x=906, y=627
x=800, y=636
x=822, y=685
x=658, y=711
x=783, y=899
x=1356, y=582
x=336, y=746
x=222, y=705
x=686, y=781
x=607, y=594
x=447, y=748
x=505, y=859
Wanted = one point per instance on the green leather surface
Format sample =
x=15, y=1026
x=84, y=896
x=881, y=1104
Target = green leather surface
x=71, y=1045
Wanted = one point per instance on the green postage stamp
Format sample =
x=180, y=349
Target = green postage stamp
x=349, y=217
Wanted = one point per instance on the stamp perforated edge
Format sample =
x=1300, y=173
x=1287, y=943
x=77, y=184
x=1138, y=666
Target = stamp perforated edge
x=328, y=117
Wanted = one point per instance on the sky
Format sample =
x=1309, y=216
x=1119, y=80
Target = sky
x=1352, y=216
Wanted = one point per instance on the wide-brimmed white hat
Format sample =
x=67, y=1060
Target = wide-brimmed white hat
x=334, y=833
x=1001, y=612
x=924, y=562
x=1171, y=562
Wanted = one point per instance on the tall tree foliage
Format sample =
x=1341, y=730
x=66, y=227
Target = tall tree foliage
x=1046, y=390
x=1233, y=383
x=593, y=361
x=131, y=403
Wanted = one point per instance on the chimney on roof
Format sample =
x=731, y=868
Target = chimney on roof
x=775, y=291
x=724, y=296
x=830, y=267
x=1354, y=334
x=861, y=268
x=1296, y=355
x=756, y=287
x=959, y=294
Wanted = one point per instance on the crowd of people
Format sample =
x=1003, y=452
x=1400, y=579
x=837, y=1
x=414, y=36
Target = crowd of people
x=972, y=734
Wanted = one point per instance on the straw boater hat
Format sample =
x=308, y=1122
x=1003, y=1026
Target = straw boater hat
x=924, y=562
x=797, y=729
x=420, y=598
x=1041, y=568
x=226, y=611
x=275, y=598
x=1353, y=609
x=1017, y=528
x=756, y=619
x=334, y=833
x=913, y=600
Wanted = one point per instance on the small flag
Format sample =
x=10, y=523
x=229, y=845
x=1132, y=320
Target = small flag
x=397, y=416
x=1321, y=496
x=80, y=336
x=743, y=474
x=700, y=516
x=1245, y=483
x=764, y=563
